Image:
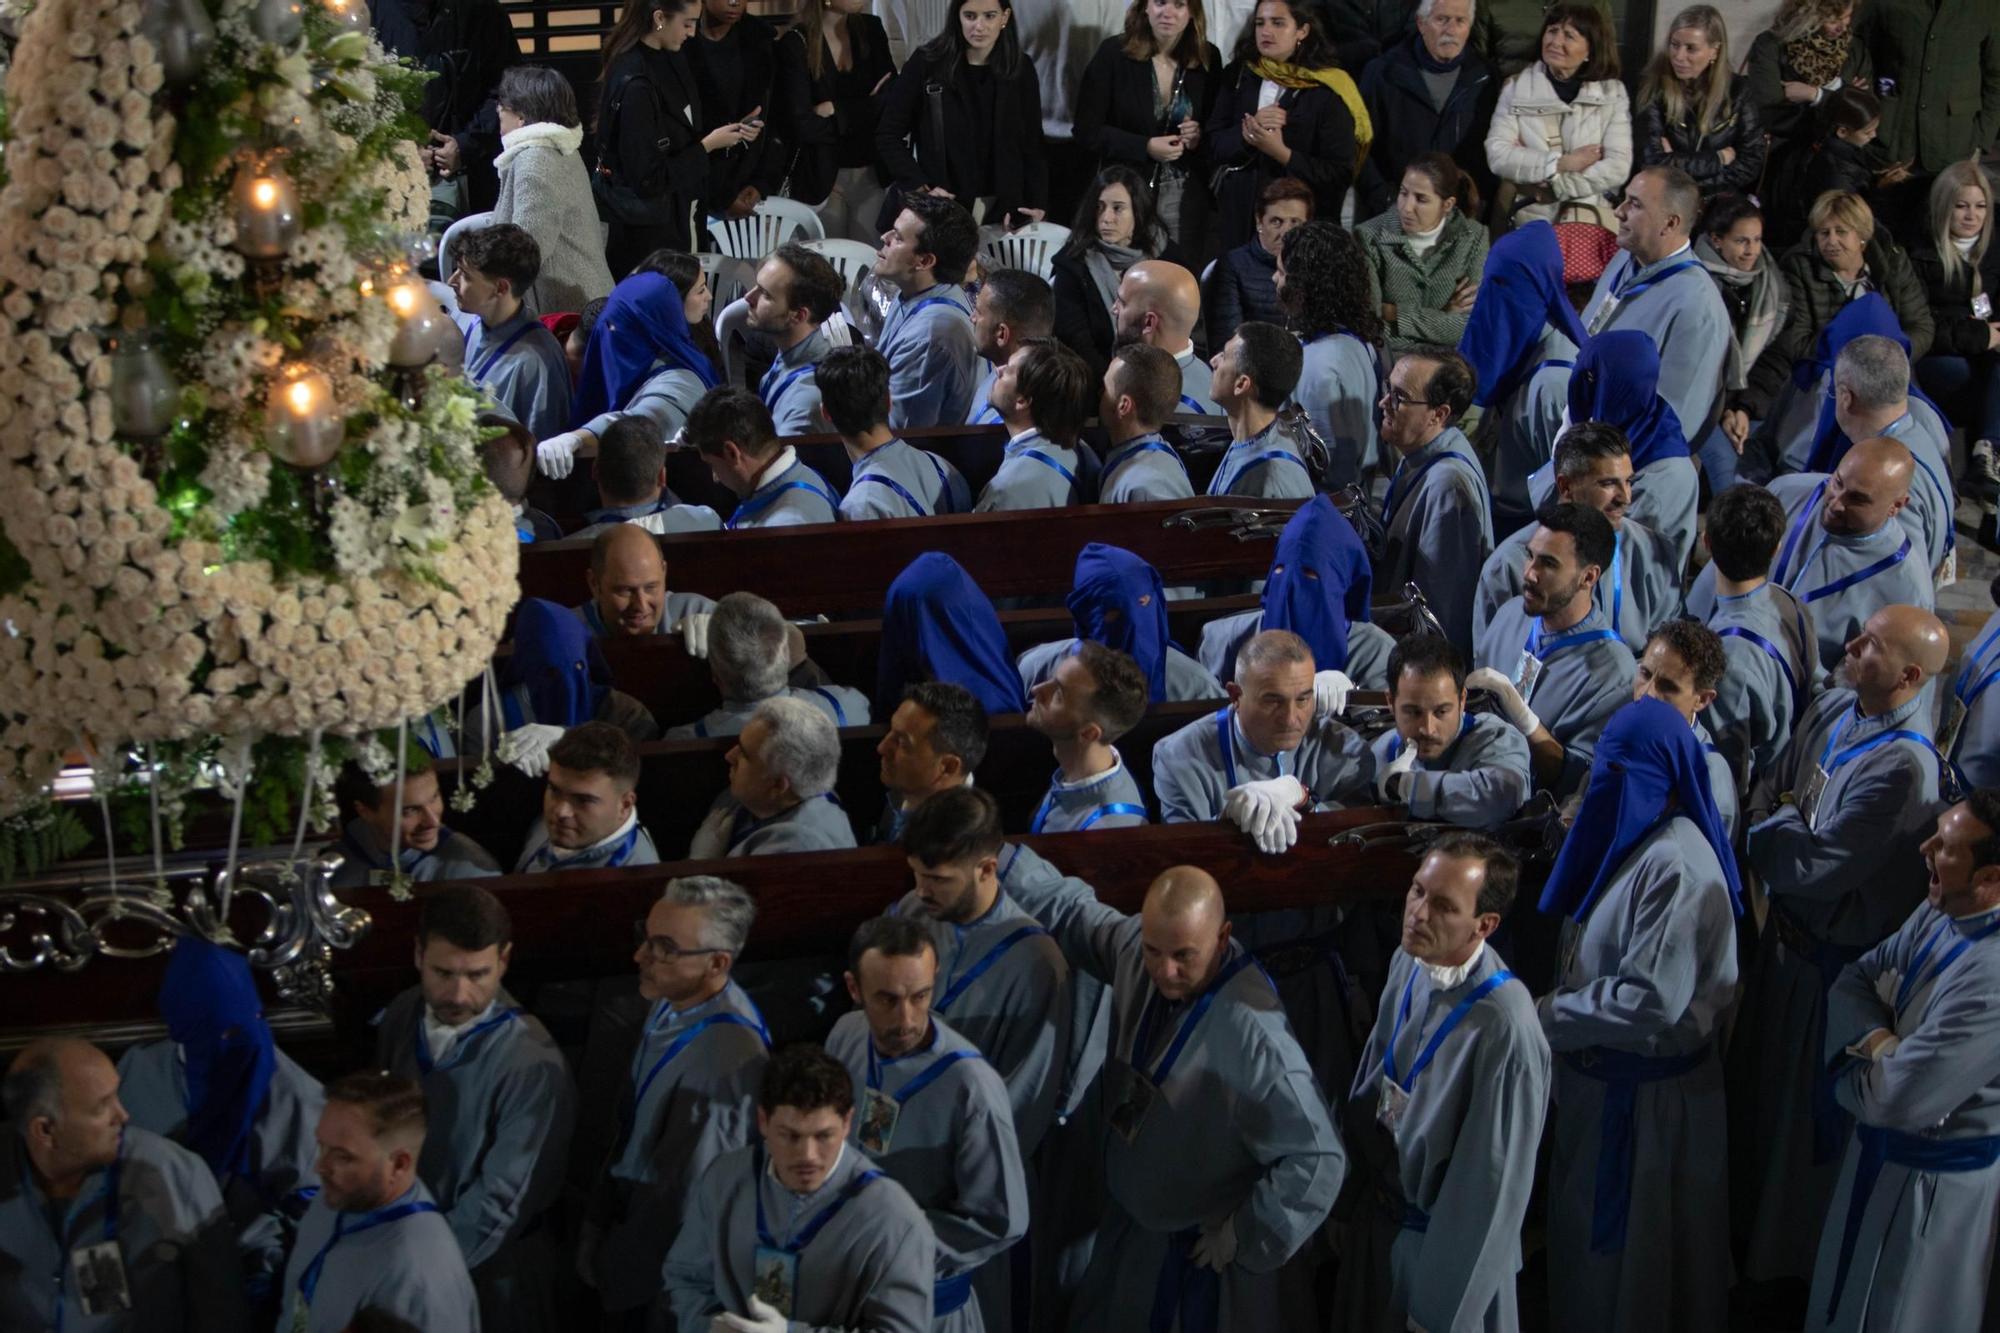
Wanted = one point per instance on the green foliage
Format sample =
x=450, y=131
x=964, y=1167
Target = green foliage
x=35, y=839
x=13, y=567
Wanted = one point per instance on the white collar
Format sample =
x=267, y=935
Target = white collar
x=778, y=467
x=440, y=1037
x=1965, y=243
x=562, y=138
x=1444, y=978
x=558, y=854
x=1117, y=763
x=1185, y=356
x=771, y=1170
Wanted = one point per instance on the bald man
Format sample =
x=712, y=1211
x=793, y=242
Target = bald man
x=104, y=1226
x=1850, y=801
x=1213, y=1186
x=1159, y=304
x=1845, y=553
x=628, y=587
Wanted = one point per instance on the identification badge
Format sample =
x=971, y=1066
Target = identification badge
x=1527, y=673
x=98, y=1272
x=1947, y=570
x=777, y=1280
x=1389, y=1110
x=1809, y=798
x=1982, y=306
x=878, y=1120
x=1948, y=729
x=1130, y=1112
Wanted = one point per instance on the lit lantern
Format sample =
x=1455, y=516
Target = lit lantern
x=304, y=429
x=351, y=14
x=267, y=211
x=143, y=390
x=182, y=34
x=423, y=328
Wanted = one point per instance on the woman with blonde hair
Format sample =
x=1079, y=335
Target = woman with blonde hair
x=1960, y=268
x=1808, y=53
x=1693, y=113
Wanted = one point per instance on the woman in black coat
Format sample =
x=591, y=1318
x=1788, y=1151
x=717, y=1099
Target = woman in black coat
x=1277, y=114
x=1693, y=114
x=965, y=118
x=1959, y=267
x=833, y=59
x=1117, y=225
x=733, y=66
x=1142, y=102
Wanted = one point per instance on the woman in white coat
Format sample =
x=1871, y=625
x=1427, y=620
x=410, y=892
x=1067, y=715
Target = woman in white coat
x=1562, y=131
x=545, y=189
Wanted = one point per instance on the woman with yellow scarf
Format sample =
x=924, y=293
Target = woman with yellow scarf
x=1285, y=109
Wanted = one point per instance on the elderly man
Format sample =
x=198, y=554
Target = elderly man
x=1013, y=306
x=934, y=1114
x=1142, y=388
x=780, y=796
x=1209, y=1193
x=1159, y=304
x=748, y=657
x=509, y=355
x=427, y=850
x=1871, y=400
x=1680, y=664
x=503, y=1098
x=1552, y=651
x=1438, y=513
x=1439, y=761
x=1656, y=285
x=796, y=292
x=1429, y=93
x=1593, y=466
x=927, y=336
x=1647, y=886
x=1252, y=378
x=1446, y=1113
x=631, y=474
x=890, y=479
x=733, y=432
x=374, y=1238
x=1914, y=1051
x=1846, y=807
x=628, y=587
x=1090, y=699
x=937, y=736
x=799, y=1227
x=1043, y=397
x=103, y=1225
x=692, y=1087
x=590, y=806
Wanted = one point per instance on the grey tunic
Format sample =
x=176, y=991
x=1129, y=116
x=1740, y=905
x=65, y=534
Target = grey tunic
x=674, y=608
x=1368, y=648
x=1195, y=768
x=869, y=1268
x=1665, y=496
x=666, y=398
x=1440, y=522
x=927, y=341
x=1976, y=748
x=631, y=845
x=455, y=857
x=1110, y=799
x=520, y=365
x=1338, y=390
x=1480, y=780
x=152, y=1086
x=816, y=824
x=953, y=1149
x=1841, y=884
x=1580, y=686
x=1928, y=515
x=792, y=496
x=900, y=480
x=1922, y=1257
x=845, y=706
x=1186, y=678
x=1524, y=431
x=174, y=1237
x=1266, y=466
x=1772, y=664
x=1649, y=973
x=1813, y=563
x=692, y=1097
x=1674, y=301
x=1197, y=379
x=1036, y=473
x=1451, y=1181
x=1235, y=1128
x=1147, y=468
x=658, y=517
x=1721, y=782
x=501, y=1107
x=1636, y=594
x=791, y=389
x=980, y=410
x=409, y=1266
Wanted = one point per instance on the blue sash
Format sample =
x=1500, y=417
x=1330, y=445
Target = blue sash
x=485, y=367
x=1879, y=1146
x=1621, y=1073
x=771, y=395
x=819, y=1221
x=1228, y=742
x=753, y=505
x=674, y=1048
x=1451, y=1020
x=309, y=1279
x=1220, y=487
x=1777, y=655
x=984, y=965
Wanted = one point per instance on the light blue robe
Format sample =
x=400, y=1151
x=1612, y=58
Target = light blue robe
x=1649, y=973
x=630, y=845
x=1479, y=781
x=1110, y=799
x=1147, y=468
x=410, y=1267
x=1665, y=497
x=1186, y=678
x=1266, y=466
x=954, y=1149
x=1924, y=1243
x=1192, y=774
x=520, y=365
x=980, y=411
x=667, y=396
x=674, y=608
x=788, y=497
x=1338, y=390
x=1036, y=473
x=1462, y=1156
x=1812, y=562
x=1928, y=515
x=900, y=480
x=816, y=824
x=658, y=517
x=455, y=857
x=1763, y=689
x=174, y=1236
x=927, y=341
x=790, y=388
x=1721, y=782
x=1197, y=379
x=1524, y=429
x=1976, y=747
x=1579, y=688
x=1643, y=593
x=1368, y=648
x=1684, y=315
x=1440, y=522
x=843, y=705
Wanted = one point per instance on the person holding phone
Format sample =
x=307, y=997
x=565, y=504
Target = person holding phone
x=734, y=62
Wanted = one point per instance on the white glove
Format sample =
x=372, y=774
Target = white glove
x=527, y=748
x=1511, y=702
x=694, y=633
x=1215, y=1247
x=761, y=1319
x=1330, y=689
x=1268, y=811
x=557, y=454
x=1387, y=789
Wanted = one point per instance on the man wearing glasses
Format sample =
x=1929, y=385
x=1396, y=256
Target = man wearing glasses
x=1438, y=513
x=692, y=1094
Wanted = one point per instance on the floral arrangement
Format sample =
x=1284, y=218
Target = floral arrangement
x=230, y=522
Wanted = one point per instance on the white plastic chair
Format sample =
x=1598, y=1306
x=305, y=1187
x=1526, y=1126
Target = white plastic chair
x=853, y=259
x=730, y=321
x=448, y=244
x=1032, y=248
x=725, y=282
x=774, y=222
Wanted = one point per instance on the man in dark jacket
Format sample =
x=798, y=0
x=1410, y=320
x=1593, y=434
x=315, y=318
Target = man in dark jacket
x=1429, y=92
x=467, y=45
x=1937, y=68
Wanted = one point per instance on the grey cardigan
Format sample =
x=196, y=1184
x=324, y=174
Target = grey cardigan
x=545, y=191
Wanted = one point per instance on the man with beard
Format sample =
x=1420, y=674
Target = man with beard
x=796, y=292
x=1092, y=697
x=1439, y=761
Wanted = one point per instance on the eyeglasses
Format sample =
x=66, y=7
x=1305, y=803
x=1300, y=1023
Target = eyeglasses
x=1398, y=400
x=661, y=949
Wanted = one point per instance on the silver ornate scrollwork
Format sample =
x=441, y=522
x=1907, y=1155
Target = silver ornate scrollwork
x=62, y=922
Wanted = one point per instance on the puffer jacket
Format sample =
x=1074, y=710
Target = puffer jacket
x=1533, y=127
x=1419, y=286
x=1240, y=287
x=1959, y=332
x=1698, y=154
